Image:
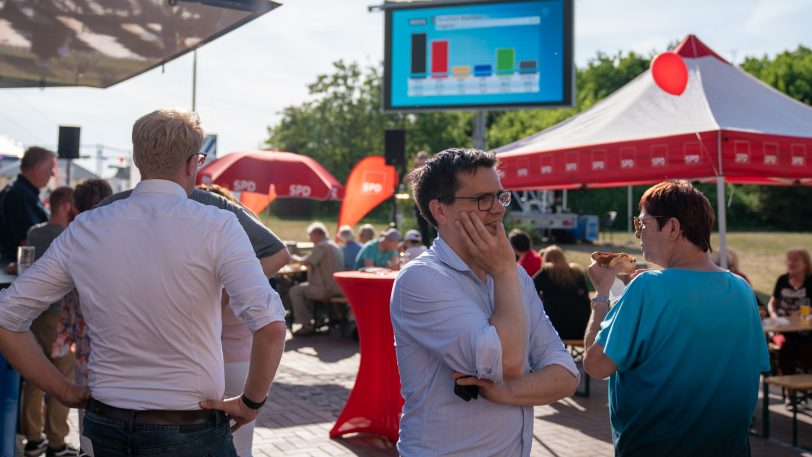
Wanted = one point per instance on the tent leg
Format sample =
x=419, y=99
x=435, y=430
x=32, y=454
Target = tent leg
x=629, y=214
x=722, y=220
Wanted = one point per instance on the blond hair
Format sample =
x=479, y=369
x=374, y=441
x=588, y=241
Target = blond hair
x=164, y=140
x=556, y=266
x=805, y=256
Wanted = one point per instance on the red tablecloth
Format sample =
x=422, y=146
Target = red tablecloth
x=375, y=403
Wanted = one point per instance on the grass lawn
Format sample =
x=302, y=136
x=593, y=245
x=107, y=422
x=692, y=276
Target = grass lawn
x=761, y=254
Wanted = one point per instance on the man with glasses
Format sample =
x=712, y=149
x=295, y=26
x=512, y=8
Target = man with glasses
x=683, y=346
x=149, y=270
x=466, y=313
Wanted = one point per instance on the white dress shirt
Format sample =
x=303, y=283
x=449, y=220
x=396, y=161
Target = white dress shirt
x=441, y=315
x=149, y=270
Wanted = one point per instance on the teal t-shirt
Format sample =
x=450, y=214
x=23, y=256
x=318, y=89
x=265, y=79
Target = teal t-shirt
x=371, y=251
x=689, y=349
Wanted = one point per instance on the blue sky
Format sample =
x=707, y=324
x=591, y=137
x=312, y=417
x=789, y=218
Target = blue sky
x=247, y=77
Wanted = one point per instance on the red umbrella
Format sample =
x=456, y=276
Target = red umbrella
x=291, y=175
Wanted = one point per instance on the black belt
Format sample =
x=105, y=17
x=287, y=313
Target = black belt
x=156, y=416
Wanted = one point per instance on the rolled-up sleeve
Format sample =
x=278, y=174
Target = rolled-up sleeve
x=250, y=295
x=428, y=309
x=546, y=347
x=43, y=283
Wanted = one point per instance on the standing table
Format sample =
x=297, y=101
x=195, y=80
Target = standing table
x=374, y=404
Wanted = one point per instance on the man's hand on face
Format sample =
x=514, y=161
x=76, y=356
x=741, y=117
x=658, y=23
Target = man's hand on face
x=491, y=253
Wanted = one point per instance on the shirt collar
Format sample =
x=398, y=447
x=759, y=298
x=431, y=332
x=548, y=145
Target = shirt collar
x=161, y=186
x=448, y=256
x=25, y=183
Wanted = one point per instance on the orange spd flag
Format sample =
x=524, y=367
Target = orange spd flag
x=371, y=182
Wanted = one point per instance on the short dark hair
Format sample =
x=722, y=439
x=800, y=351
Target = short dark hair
x=437, y=179
x=520, y=240
x=679, y=199
x=34, y=156
x=59, y=196
x=89, y=193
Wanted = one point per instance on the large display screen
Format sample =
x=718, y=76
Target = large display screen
x=478, y=54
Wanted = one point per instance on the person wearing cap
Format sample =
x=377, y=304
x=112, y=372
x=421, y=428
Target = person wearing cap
x=414, y=244
x=382, y=252
x=350, y=247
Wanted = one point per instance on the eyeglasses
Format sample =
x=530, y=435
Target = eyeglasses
x=484, y=202
x=200, y=159
x=639, y=224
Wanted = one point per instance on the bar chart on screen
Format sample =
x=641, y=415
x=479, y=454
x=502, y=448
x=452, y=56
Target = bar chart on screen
x=503, y=53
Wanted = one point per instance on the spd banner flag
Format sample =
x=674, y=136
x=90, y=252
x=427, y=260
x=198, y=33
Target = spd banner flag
x=370, y=183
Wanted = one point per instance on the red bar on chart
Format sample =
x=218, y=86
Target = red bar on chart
x=439, y=57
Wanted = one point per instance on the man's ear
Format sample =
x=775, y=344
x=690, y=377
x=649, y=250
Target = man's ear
x=191, y=166
x=674, y=229
x=438, y=210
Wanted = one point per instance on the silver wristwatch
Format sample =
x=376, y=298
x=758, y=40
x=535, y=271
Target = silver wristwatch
x=599, y=299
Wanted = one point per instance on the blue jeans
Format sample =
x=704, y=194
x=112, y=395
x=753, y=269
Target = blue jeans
x=115, y=438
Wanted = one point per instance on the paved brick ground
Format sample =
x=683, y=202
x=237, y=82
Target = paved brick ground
x=318, y=372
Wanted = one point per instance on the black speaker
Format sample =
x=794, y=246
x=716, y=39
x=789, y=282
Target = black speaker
x=395, y=147
x=68, y=142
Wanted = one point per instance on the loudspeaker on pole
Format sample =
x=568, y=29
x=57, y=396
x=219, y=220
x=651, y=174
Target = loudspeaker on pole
x=395, y=147
x=68, y=147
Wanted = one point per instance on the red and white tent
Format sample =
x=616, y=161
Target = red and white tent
x=727, y=126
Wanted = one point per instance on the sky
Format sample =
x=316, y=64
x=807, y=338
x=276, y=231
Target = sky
x=246, y=77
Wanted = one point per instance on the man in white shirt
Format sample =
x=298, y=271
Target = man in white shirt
x=149, y=270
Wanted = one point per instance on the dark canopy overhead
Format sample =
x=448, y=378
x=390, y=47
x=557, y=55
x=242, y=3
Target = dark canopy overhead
x=99, y=43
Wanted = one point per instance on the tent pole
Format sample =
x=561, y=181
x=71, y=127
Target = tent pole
x=629, y=214
x=720, y=205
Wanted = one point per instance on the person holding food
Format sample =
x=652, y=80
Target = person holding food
x=683, y=346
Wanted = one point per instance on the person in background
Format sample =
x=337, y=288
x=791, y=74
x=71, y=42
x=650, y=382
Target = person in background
x=563, y=290
x=71, y=329
x=44, y=328
x=382, y=252
x=522, y=245
x=149, y=270
x=426, y=230
x=733, y=266
x=413, y=244
x=669, y=392
x=366, y=233
x=20, y=206
x=350, y=247
x=325, y=259
x=236, y=338
x=465, y=312
x=792, y=291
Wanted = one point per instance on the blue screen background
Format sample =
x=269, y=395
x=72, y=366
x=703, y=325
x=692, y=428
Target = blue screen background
x=542, y=42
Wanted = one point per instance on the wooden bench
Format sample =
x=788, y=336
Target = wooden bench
x=576, y=348
x=792, y=383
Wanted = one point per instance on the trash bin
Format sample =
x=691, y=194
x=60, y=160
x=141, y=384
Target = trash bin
x=10, y=390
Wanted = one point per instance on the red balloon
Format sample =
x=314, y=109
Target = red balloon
x=670, y=73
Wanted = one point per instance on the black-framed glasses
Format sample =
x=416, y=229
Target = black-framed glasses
x=484, y=202
x=639, y=222
x=201, y=158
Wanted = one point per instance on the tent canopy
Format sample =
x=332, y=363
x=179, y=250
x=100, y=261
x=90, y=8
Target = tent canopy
x=99, y=43
x=291, y=175
x=726, y=123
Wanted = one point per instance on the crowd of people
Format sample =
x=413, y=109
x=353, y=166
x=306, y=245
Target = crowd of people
x=151, y=311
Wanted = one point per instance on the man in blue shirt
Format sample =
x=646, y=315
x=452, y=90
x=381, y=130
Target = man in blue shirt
x=466, y=311
x=683, y=347
x=350, y=246
x=382, y=252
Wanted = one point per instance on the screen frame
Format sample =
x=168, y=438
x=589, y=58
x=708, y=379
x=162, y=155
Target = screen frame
x=568, y=30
